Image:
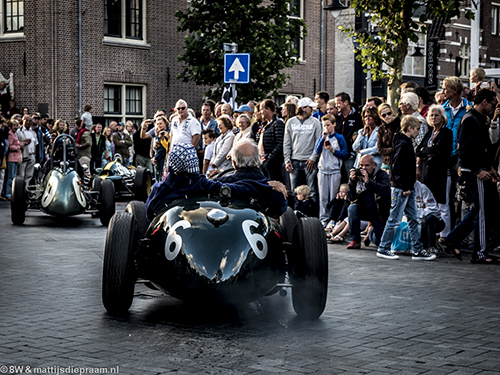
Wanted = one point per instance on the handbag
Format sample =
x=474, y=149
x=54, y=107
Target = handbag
x=401, y=243
x=4, y=163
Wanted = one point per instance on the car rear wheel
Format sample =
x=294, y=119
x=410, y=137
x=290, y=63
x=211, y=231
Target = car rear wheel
x=138, y=209
x=18, y=201
x=107, y=202
x=142, y=184
x=118, y=277
x=96, y=183
x=288, y=222
x=309, y=273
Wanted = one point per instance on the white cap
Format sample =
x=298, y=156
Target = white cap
x=306, y=102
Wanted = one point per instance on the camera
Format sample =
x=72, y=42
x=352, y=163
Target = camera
x=358, y=175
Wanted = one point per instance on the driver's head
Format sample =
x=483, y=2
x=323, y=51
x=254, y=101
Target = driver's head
x=245, y=154
x=183, y=159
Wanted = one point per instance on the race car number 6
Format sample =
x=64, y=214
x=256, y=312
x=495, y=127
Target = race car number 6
x=254, y=239
x=174, y=238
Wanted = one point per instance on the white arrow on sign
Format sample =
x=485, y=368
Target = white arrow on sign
x=236, y=67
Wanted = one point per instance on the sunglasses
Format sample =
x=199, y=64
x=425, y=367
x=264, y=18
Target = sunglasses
x=181, y=108
x=384, y=115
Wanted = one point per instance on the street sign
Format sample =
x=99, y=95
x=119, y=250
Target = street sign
x=236, y=68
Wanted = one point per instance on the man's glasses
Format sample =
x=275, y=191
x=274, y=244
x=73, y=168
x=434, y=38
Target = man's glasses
x=384, y=115
x=181, y=108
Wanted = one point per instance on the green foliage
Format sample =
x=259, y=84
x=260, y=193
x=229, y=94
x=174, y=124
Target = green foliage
x=265, y=31
x=395, y=27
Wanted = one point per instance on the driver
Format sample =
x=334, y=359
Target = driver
x=184, y=180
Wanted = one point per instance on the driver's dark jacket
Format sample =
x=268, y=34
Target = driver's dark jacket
x=175, y=187
x=376, y=197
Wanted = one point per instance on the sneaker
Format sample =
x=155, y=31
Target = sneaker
x=423, y=255
x=434, y=251
x=387, y=255
x=330, y=226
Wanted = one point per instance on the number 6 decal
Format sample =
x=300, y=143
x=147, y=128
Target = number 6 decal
x=255, y=238
x=175, y=239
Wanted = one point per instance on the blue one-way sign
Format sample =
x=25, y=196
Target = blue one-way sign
x=236, y=68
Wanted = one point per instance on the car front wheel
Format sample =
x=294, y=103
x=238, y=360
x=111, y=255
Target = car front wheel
x=118, y=277
x=309, y=271
x=18, y=201
x=107, y=202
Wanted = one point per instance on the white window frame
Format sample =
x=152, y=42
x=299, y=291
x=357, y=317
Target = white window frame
x=411, y=49
x=301, y=40
x=465, y=60
x=123, y=39
x=495, y=9
x=7, y=36
x=123, y=116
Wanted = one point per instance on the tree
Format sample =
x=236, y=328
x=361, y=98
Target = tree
x=395, y=25
x=265, y=31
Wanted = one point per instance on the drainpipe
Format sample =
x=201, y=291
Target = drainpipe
x=321, y=50
x=79, y=58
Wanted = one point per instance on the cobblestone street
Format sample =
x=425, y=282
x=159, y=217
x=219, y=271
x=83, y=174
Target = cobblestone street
x=382, y=317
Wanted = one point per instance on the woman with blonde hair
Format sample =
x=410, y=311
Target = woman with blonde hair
x=60, y=127
x=390, y=125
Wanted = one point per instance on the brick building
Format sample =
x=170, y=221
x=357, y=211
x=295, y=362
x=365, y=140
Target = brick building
x=128, y=62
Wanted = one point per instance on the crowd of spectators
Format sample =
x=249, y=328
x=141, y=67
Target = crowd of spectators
x=361, y=170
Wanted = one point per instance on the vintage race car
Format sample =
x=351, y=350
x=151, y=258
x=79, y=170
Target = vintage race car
x=215, y=248
x=60, y=191
x=129, y=181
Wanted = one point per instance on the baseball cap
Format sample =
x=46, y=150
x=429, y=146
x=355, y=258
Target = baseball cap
x=306, y=102
x=244, y=108
x=121, y=124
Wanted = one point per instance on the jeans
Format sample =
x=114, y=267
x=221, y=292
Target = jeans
x=402, y=205
x=355, y=214
x=11, y=173
x=301, y=176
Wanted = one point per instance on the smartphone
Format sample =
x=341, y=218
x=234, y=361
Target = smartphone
x=327, y=143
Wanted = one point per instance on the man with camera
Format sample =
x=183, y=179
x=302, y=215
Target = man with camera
x=370, y=193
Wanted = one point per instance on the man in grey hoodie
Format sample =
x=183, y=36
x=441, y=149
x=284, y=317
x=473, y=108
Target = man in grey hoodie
x=301, y=134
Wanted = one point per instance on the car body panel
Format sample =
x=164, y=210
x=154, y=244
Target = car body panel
x=63, y=194
x=236, y=261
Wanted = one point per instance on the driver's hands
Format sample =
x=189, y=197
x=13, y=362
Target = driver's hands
x=279, y=187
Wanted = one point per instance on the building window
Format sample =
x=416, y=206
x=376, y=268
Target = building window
x=415, y=65
x=495, y=20
x=464, y=60
x=12, y=20
x=124, y=102
x=124, y=19
x=296, y=13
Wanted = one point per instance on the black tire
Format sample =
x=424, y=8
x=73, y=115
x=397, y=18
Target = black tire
x=96, y=183
x=18, y=201
x=309, y=273
x=142, y=184
x=118, y=274
x=288, y=222
x=138, y=209
x=107, y=202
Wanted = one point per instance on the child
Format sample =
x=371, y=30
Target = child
x=303, y=205
x=208, y=140
x=332, y=149
x=338, y=208
x=403, y=196
x=429, y=217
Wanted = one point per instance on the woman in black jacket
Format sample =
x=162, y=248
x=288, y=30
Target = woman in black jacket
x=391, y=124
x=433, y=161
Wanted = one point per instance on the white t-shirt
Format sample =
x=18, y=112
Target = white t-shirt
x=183, y=132
x=209, y=151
